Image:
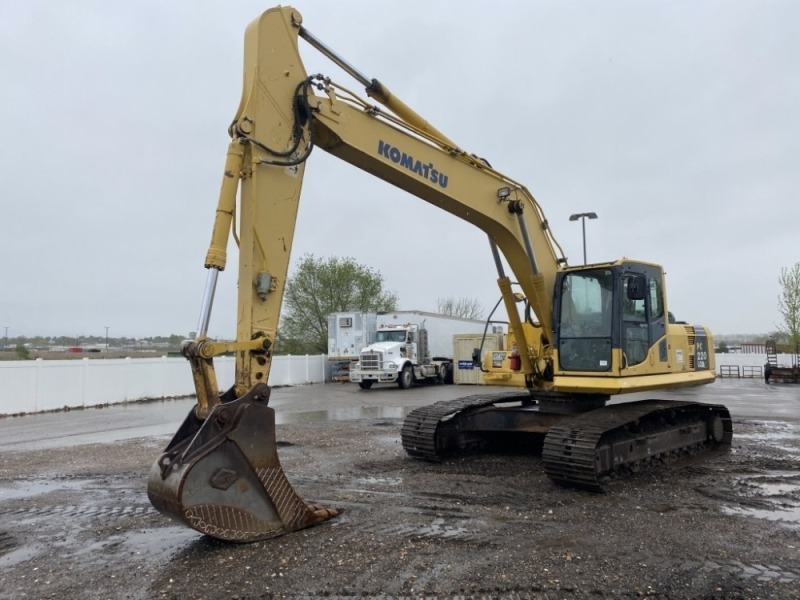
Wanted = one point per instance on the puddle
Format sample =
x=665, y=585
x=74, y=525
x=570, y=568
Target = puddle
x=780, y=489
x=18, y=555
x=778, y=493
x=38, y=487
x=156, y=545
x=783, y=441
x=350, y=413
x=148, y=420
x=438, y=528
x=773, y=483
x=378, y=480
x=788, y=516
x=764, y=572
x=768, y=436
x=94, y=426
x=777, y=436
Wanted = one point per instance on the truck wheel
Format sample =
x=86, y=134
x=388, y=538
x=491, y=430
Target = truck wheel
x=406, y=378
x=365, y=385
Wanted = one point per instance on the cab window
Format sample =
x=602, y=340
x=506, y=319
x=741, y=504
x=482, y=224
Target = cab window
x=656, y=300
x=585, y=317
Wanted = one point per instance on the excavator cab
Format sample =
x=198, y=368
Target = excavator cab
x=612, y=328
x=611, y=334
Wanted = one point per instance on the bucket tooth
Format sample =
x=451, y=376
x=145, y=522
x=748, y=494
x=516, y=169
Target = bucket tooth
x=221, y=476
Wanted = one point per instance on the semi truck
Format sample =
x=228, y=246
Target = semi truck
x=411, y=347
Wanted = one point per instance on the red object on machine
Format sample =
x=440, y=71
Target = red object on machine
x=514, y=360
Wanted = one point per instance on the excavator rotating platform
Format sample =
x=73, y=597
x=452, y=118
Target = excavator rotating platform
x=221, y=476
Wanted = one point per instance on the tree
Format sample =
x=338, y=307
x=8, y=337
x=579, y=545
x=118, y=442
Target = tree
x=789, y=304
x=466, y=308
x=320, y=287
x=22, y=352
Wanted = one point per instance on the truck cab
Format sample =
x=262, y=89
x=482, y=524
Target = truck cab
x=398, y=355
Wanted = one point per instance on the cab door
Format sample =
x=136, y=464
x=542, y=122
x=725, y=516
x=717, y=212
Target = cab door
x=641, y=314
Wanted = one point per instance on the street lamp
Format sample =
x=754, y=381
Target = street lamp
x=583, y=217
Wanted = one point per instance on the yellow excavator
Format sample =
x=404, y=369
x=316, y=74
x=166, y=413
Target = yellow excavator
x=585, y=333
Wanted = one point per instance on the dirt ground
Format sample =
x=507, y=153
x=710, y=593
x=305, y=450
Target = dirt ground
x=75, y=522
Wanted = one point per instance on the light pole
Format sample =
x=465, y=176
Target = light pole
x=106, y=339
x=5, y=344
x=583, y=217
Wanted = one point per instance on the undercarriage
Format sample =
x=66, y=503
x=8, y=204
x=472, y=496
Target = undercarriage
x=583, y=443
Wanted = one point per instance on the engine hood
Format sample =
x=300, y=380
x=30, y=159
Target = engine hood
x=388, y=349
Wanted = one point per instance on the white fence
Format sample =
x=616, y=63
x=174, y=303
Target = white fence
x=42, y=385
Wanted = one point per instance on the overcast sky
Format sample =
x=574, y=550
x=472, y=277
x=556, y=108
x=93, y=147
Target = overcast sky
x=678, y=123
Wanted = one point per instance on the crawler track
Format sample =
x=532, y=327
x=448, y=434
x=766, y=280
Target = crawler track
x=428, y=433
x=618, y=440
x=584, y=451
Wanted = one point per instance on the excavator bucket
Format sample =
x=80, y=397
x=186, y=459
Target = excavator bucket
x=222, y=477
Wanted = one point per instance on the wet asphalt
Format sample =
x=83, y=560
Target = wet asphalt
x=745, y=398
